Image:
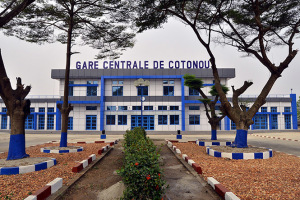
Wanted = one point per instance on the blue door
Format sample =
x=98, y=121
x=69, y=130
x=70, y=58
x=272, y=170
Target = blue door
x=148, y=121
x=29, y=122
x=260, y=122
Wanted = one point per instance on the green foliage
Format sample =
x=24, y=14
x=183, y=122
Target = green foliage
x=192, y=82
x=298, y=109
x=206, y=101
x=141, y=172
x=214, y=92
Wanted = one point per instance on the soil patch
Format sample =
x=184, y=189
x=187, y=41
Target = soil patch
x=228, y=149
x=22, y=162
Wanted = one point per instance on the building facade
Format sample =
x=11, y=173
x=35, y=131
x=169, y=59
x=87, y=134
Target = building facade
x=108, y=100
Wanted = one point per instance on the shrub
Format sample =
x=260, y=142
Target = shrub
x=141, y=172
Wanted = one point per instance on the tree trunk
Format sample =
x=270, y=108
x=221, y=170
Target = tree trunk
x=18, y=109
x=214, y=126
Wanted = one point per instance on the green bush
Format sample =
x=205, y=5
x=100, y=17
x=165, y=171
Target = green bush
x=141, y=172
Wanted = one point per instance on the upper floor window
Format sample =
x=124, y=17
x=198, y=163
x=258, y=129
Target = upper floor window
x=273, y=109
x=122, y=108
x=136, y=107
x=174, y=119
x=142, y=90
x=115, y=82
x=287, y=109
x=32, y=110
x=91, y=90
x=41, y=109
x=148, y=107
x=112, y=108
x=194, y=107
x=168, y=91
x=162, y=107
x=193, y=92
x=194, y=119
x=50, y=109
x=91, y=107
x=174, y=107
x=169, y=82
x=165, y=82
x=91, y=82
x=264, y=109
x=71, y=88
x=117, y=90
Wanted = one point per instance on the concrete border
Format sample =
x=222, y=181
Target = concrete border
x=44, y=150
x=275, y=138
x=203, y=143
x=29, y=168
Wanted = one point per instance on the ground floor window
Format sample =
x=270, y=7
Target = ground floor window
x=233, y=126
x=4, y=122
x=29, y=122
x=41, y=123
x=194, y=119
x=148, y=121
x=50, y=122
x=122, y=119
x=70, y=123
x=91, y=122
x=260, y=122
x=287, y=121
x=162, y=119
x=274, y=121
x=174, y=119
x=110, y=119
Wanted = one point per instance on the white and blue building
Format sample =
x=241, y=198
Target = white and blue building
x=106, y=99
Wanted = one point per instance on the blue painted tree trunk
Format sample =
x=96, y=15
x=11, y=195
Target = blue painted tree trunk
x=241, y=138
x=17, y=147
x=213, y=134
x=64, y=139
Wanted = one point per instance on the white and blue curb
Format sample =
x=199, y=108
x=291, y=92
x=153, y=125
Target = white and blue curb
x=202, y=143
x=43, y=150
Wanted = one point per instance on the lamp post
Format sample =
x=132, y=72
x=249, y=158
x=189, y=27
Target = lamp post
x=139, y=84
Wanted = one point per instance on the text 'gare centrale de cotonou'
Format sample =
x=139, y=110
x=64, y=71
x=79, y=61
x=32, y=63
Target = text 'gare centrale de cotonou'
x=114, y=64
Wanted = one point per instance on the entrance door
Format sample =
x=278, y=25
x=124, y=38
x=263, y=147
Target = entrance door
x=148, y=121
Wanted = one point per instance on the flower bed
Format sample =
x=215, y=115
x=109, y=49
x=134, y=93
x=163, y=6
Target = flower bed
x=275, y=178
x=22, y=185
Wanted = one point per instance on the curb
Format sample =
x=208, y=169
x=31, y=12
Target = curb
x=43, y=150
x=275, y=138
x=47, y=190
x=219, y=188
x=29, y=168
x=202, y=143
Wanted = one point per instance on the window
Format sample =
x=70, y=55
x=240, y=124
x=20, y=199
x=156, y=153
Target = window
x=274, y=121
x=110, y=119
x=91, y=91
x=71, y=88
x=41, y=124
x=4, y=110
x=50, y=109
x=42, y=110
x=32, y=110
x=287, y=109
x=171, y=82
x=91, y=108
x=121, y=82
x=193, y=92
x=50, y=122
x=136, y=107
x=148, y=107
x=117, y=90
x=264, y=109
x=122, y=119
x=3, y=121
x=162, y=107
x=162, y=119
x=70, y=123
x=112, y=108
x=142, y=89
x=194, y=119
x=174, y=107
x=168, y=91
x=92, y=82
x=91, y=122
x=260, y=121
x=273, y=109
x=194, y=107
x=287, y=121
x=233, y=125
x=115, y=82
x=174, y=119
x=122, y=108
x=165, y=81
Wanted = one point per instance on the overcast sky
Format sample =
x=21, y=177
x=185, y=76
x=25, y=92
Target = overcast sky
x=175, y=41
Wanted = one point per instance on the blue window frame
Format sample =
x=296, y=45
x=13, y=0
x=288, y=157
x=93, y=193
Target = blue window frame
x=264, y=109
x=4, y=109
x=70, y=123
x=111, y=108
x=174, y=119
x=92, y=82
x=71, y=88
x=162, y=119
x=174, y=107
x=122, y=108
x=193, y=92
x=117, y=90
x=273, y=109
x=136, y=107
x=194, y=119
x=41, y=124
x=143, y=89
x=148, y=121
x=91, y=122
x=91, y=91
x=287, y=121
x=260, y=122
x=110, y=119
x=122, y=119
x=3, y=121
x=287, y=109
x=162, y=108
x=274, y=121
x=50, y=121
x=168, y=90
x=194, y=107
x=42, y=109
x=233, y=125
x=91, y=108
x=148, y=107
x=32, y=110
x=50, y=109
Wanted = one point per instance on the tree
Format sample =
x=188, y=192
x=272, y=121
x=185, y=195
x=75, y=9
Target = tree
x=209, y=104
x=253, y=27
x=17, y=107
x=99, y=24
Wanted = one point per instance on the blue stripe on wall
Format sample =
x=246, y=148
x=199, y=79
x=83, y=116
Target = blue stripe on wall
x=294, y=111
